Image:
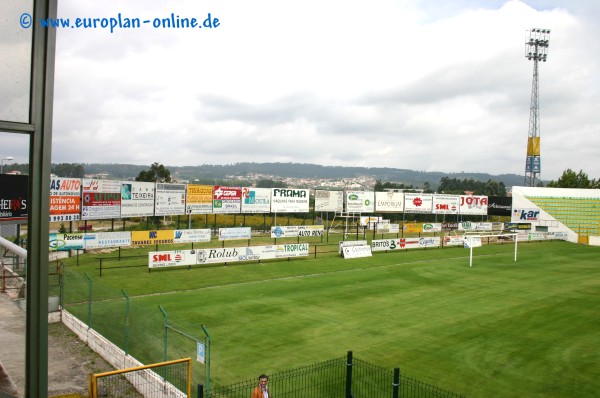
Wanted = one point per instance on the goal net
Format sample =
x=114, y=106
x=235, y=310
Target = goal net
x=473, y=241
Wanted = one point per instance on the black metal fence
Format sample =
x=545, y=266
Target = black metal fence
x=345, y=377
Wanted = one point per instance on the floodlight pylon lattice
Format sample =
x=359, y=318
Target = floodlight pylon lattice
x=536, y=49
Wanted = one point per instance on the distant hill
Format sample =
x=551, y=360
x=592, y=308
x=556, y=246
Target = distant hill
x=300, y=170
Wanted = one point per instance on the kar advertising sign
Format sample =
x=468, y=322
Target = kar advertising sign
x=329, y=201
x=285, y=200
x=472, y=204
x=418, y=202
x=446, y=204
x=101, y=199
x=170, y=199
x=525, y=215
x=227, y=200
x=198, y=199
x=389, y=202
x=137, y=199
x=256, y=200
x=13, y=198
x=360, y=202
x=65, y=199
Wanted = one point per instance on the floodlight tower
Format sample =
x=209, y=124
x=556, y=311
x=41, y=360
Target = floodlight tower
x=536, y=49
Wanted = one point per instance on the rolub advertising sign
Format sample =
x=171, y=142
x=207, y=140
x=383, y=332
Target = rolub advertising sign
x=65, y=199
x=227, y=200
x=101, y=199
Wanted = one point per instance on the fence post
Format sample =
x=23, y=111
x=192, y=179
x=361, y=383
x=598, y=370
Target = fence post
x=166, y=331
x=200, y=391
x=396, y=383
x=90, y=284
x=126, y=322
x=349, y=375
x=207, y=364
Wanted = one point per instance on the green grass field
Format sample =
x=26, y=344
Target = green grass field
x=498, y=329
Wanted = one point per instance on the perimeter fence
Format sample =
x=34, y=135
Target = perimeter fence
x=344, y=377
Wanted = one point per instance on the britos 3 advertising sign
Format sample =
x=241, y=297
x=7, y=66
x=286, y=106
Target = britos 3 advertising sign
x=256, y=200
x=289, y=200
x=199, y=199
x=225, y=255
x=418, y=202
x=227, y=200
x=101, y=199
x=473, y=204
x=389, y=202
x=329, y=201
x=293, y=231
x=137, y=199
x=404, y=243
x=360, y=202
x=170, y=199
x=65, y=199
x=446, y=204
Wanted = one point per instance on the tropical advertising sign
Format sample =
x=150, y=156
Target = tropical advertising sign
x=65, y=199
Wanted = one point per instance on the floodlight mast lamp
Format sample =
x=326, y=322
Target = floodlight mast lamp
x=536, y=49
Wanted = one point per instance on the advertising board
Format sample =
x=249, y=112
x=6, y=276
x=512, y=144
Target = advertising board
x=137, y=199
x=101, y=199
x=284, y=200
x=65, y=199
x=169, y=199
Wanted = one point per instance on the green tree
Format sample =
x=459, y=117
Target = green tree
x=268, y=183
x=156, y=173
x=570, y=179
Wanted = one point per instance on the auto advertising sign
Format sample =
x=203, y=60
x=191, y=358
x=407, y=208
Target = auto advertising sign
x=65, y=199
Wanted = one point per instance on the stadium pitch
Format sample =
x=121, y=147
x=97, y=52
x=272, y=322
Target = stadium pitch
x=500, y=328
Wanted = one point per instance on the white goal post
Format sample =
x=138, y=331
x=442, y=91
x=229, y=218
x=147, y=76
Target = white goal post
x=471, y=241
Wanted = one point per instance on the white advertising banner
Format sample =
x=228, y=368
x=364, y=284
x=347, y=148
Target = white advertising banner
x=65, y=199
x=225, y=255
x=360, y=201
x=292, y=231
x=369, y=221
x=446, y=204
x=99, y=240
x=389, y=202
x=473, y=204
x=227, y=200
x=329, y=200
x=235, y=233
x=199, y=199
x=404, y=243
x=170, y=199
x=356, y=251
x=418, y=202
x=432, y=227
x=475, y=226
x=191, y=235
x=386, y=227
x=285, y=200
x=453, y=240
x=472, y=241
x=101, y=199
x=137, y=199
x=256, y=200
x=348, y=243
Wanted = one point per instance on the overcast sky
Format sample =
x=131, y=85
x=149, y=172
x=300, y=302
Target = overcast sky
x=432, y=85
